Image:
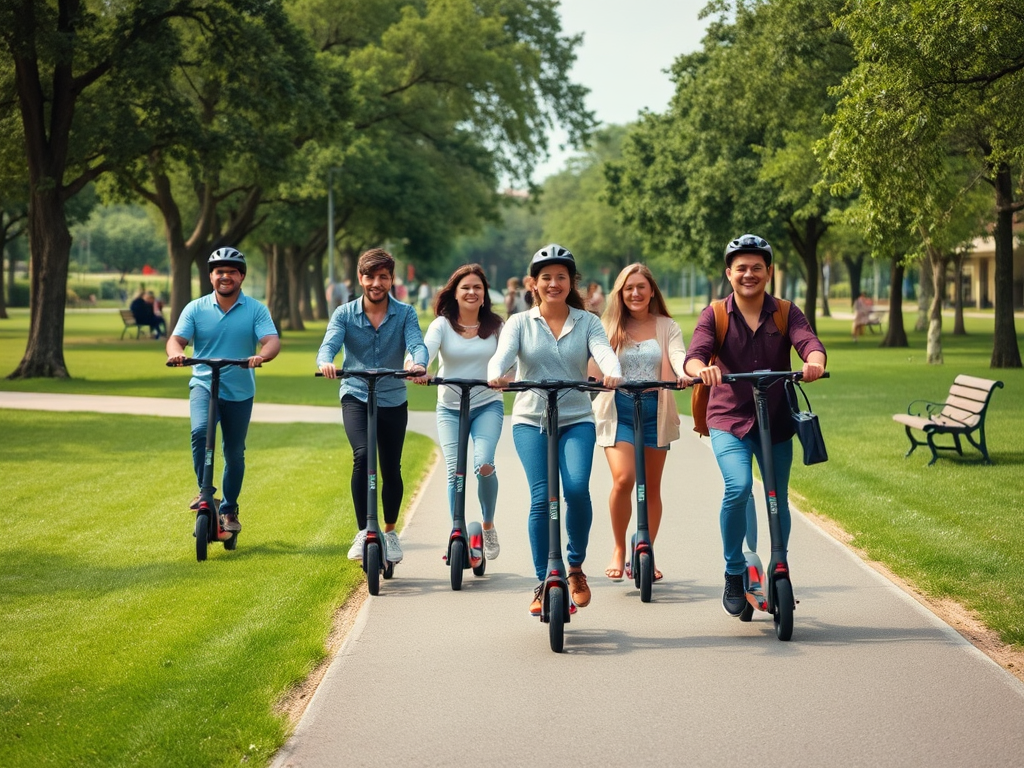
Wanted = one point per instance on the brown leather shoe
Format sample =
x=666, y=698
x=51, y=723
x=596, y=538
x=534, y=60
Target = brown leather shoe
x=578, y=589
x=229, y=522
x=535, y=605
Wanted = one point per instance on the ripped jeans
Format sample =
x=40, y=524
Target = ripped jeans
x=484, y=429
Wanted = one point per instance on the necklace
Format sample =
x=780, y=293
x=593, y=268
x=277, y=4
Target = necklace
x=470, y=327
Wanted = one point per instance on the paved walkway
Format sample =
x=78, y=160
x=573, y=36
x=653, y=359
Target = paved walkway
x=429, y=676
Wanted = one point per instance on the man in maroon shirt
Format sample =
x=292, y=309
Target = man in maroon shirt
x=753, y=342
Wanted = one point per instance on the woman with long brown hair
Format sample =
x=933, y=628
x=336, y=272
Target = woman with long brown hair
x=649, y=345
x=464, y=335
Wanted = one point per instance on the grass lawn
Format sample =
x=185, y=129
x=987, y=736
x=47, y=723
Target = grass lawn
x=117, y=647
x=122, y=654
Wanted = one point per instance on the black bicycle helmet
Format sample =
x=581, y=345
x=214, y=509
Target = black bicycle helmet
x=227, y=257
x=748, y=244
x=552, y=254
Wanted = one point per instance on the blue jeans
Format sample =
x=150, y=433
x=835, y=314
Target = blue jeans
x=233, y=416
x=485, y=429
x=575, y=459
x=735, y=460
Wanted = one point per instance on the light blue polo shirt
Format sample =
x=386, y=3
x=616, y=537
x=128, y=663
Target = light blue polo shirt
x=214, y=333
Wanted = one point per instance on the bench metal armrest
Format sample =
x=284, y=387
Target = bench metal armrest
x=929, y=409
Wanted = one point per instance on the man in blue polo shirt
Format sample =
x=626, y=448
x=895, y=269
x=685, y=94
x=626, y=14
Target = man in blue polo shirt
x=375, y=331
x=224, y=324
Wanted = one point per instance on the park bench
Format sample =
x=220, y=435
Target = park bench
x=129, y=322
x=962, y=415
x=874, y=323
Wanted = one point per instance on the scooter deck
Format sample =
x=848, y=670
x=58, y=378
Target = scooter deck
x=755, y=582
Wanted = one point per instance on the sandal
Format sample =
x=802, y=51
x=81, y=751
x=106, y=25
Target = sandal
x=615, y=574
x=658, y=575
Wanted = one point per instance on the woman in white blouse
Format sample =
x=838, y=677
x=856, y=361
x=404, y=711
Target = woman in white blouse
x=465, y=336
x=650, y=347
x=553, y=341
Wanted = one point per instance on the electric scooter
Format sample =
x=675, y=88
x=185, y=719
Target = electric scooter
x=209, y=526
x=770, y=591
x=465, y=542
x=640, y=566
x=556, y=606
x=375, y=559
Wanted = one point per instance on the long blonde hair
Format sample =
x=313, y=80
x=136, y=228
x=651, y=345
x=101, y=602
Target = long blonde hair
x=616, y=314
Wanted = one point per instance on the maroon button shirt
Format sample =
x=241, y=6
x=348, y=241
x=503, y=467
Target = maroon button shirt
x=731, y=406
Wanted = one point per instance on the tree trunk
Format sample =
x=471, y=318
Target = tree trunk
x=855, y=268
x=277, y=286
x=319, y=291
x=896, y=335
x=958, y=301
x=938, y=269
x=3, y=288
x=826, y=271
x=293, y=271
x=806, y=244
x=924, y=294
x=50, y=242
x=306, y=294
x=1005, y=352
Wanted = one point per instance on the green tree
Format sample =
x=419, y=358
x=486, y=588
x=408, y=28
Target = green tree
x=576, y=212
x=79, y=75
x=123, y=239
x=936, y=79
x=733, y=153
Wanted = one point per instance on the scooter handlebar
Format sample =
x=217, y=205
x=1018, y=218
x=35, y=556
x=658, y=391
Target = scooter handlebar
x=639, y=386
x=582, y=386
x=370, y=373
x=212, y=362
x=728, y=378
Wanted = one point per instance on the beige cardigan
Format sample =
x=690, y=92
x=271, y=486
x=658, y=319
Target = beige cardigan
x=673, y=353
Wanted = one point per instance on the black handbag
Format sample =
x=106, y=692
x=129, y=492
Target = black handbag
x=806, y=426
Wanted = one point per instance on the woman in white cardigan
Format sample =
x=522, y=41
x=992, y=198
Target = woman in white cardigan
x=649, y=345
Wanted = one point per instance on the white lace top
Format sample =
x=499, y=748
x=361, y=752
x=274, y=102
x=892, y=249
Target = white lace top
x=640, y=361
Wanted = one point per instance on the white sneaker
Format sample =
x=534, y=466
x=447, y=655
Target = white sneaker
x=355, y=552
x=393, y=547
x=491, y=547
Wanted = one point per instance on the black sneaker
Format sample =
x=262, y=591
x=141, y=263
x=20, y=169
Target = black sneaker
x=734, y=597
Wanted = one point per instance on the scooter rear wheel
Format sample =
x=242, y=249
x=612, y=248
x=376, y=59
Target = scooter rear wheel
x=389, y=570
x=646, y=571
x=456, y=559
x=556, y=619
x=371, y=564
x=230, y=544
x=747, y=613
x=202, y=536
x=784, y=609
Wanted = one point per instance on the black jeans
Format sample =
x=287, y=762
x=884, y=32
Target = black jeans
x=391, y=425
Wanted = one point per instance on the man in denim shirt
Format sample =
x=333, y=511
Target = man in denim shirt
x=375, y=331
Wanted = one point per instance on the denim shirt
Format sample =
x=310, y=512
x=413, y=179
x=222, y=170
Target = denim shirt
x=367, y=347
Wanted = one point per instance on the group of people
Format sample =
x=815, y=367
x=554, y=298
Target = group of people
x=551, y=335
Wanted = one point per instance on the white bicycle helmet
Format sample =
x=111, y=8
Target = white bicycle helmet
x=552, y=254
x=227, y=257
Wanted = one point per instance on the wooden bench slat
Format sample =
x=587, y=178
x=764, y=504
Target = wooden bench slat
x=978, y=395
x=960, y=404
x=973, y=381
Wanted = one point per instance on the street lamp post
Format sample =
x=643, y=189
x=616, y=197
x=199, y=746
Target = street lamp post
x=332, y=300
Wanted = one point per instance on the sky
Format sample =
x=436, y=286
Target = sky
x=627, y=45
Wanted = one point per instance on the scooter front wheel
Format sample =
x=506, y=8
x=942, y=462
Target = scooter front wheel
x=456, y=559
x=371, y=564
x=784, y=606
x=646, y=571
x=202, y=536
x=556, y=618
